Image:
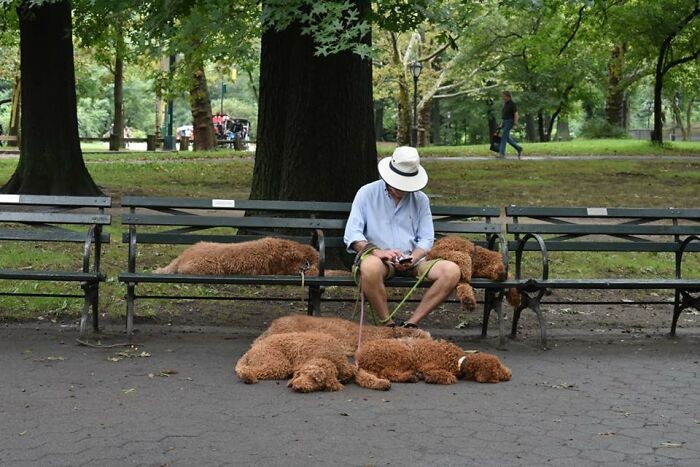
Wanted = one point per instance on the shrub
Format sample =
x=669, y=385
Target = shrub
x=597, y=128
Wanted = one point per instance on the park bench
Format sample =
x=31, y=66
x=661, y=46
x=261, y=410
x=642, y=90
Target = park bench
x=603, y=231
x=62, y=219
x=175, y=221
x=5, y=139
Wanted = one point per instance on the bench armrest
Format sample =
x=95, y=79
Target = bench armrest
x=681, y=251
x=503, y=247
x=519, y=255
x=132, y=248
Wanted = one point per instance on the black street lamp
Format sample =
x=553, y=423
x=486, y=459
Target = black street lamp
x=416, y=68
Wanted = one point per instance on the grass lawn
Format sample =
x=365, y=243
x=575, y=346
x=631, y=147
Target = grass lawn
x=652, y=183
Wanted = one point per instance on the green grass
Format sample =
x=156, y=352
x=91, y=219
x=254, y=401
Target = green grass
x=577, y=147
x=653, y=183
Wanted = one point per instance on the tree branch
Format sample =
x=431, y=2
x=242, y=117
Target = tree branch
x=573, y=33
x=466, y=91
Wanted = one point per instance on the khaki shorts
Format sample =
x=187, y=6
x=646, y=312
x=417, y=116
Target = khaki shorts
x=416, y=271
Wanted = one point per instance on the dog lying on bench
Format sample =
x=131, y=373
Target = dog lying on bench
x=346, y=332
x=435, y=361
x=473, y=261
x=265, y=256
x=314, y=361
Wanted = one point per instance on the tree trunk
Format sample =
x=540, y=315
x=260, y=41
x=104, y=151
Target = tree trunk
x=424, y=121
x=530, y=128
x=118, y=128
x=379, y=120
x=50, y=161
x=615, y=99
x=15, y=112
x=563, y=133
x=657, y=133
x=315, y=129
x=403, y=117
x=541, y=124
x=435, y=137
x=204, y=136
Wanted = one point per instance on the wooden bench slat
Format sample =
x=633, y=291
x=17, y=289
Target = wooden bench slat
x=47, y=235
x=67, y=201
x=589, y=246
x=604, y=229
x=466, y=227
x=237, y=222
x=685, y=284
x=54, y=218
x=189, y=239
x=50, y=275
x=603, y=212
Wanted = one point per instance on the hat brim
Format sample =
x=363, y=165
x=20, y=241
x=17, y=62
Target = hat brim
x=402, y=182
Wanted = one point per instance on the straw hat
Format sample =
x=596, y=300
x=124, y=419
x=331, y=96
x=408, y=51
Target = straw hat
x=403, y=170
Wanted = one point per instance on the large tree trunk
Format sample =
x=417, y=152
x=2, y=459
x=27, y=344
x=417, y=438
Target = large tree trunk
x=435, y=137
x=15, y=112
x=424, y=123
x=530, y=128
x=204, y=136
x=315, y=128
x=615, y=99
x=117, y=141
x=50, y=160
x=657, y=133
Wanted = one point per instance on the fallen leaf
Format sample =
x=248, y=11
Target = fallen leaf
x=129, y=391
x=23, y=433
x=672, y=445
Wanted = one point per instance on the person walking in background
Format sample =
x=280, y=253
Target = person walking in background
x=510, y=120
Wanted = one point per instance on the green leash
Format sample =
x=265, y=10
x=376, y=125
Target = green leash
x=356, y=278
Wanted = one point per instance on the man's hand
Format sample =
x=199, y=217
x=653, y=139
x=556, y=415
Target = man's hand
x=387, y=255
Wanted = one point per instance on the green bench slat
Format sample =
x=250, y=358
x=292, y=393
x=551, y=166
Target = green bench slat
x=586, y=246
x=188, y=239
x=54, y=218
x=237, y=222
x=686, y=284
x=50, y=275
x=466, y=227
x=598, y=229
x=67, y=201
x=47, y=235
x=593, y=212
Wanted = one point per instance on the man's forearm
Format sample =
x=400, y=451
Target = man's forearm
x=359, y=245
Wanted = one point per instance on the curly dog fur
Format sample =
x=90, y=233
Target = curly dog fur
x=266, y=256
x=435, y=361
x=346, y=332
x=473, y=261
x=314, y=361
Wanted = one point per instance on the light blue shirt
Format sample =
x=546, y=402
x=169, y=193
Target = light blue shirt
x=376, y=218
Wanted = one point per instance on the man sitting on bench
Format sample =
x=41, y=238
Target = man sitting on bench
x=391, y=229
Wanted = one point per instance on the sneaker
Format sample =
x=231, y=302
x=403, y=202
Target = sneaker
x=520, y=153
x=409, y=325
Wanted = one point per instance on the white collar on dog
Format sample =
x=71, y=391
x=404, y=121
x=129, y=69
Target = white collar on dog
x=459, y=363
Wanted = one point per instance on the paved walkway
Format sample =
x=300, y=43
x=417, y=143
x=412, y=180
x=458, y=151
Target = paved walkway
x=174, y=400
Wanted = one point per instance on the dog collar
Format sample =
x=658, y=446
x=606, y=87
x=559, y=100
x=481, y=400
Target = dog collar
x=459, y=363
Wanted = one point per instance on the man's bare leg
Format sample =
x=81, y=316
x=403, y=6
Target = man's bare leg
x=444, y=275
x=372, y=274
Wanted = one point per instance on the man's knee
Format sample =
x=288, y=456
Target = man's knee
x=373, y=268
x=448, y=271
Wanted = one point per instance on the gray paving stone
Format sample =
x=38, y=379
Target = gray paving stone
x=583, y=403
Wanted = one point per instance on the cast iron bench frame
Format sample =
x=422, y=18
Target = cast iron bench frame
x=183, y=221
x=626, y=230
x=39, y=218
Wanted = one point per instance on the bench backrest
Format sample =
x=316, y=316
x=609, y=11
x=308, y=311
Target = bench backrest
x=53, y=218
x=184, y=221
x=605, y=229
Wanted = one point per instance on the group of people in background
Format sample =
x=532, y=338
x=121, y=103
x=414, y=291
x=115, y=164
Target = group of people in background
x=229, y=128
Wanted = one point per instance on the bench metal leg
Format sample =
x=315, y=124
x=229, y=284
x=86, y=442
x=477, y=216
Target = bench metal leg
x=494, y=301
x=488, y=306
x=314, y=303
x=90, y=301
x=683, y=300
x=95, y=310
x=532, y=303
x=130, y=298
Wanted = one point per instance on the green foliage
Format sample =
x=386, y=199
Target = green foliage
x=597, y=127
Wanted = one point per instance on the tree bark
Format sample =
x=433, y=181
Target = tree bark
x=50, y=162
x=316, y=138
x=424, y=123
x=615, y=99
x=530, y=130
x=118, y=128
x=200, y=103
x=435, y=137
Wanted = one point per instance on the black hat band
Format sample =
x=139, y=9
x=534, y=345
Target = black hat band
x=405, y=174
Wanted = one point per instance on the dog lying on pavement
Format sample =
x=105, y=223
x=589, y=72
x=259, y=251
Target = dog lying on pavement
x=346, y=332
x=313, y=361
x=434, y=361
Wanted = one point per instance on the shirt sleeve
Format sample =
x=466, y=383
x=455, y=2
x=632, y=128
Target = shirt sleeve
x=355, y=227
x=425, y=236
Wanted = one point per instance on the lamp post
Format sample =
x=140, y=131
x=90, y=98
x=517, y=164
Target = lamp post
x=416, y=68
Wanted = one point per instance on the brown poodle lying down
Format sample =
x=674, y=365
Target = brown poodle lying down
x=314, y=361
x=266, y=256
x=435, y=361
x=473, y=261
x=346, y=332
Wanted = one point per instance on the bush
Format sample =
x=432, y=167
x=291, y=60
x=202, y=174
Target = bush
x=598, y=128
